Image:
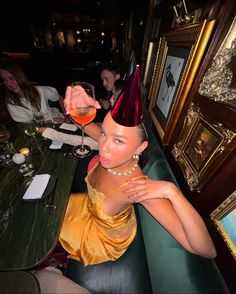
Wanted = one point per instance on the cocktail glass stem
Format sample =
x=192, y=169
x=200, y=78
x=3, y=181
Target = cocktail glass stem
x=82, y=144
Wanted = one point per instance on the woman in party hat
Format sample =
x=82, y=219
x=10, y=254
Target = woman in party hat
x=100, y=224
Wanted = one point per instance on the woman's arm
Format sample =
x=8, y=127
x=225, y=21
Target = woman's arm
x=20, y=114
x=172, y=210
x=93, y=130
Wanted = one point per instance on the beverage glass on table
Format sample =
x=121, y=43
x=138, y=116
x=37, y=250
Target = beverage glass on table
x=39, y=118
x=6, y=147
x=31, y=130
x=4, y=134
x=83, y=115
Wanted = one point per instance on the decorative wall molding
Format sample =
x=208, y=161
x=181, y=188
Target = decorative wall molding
x=217, y=81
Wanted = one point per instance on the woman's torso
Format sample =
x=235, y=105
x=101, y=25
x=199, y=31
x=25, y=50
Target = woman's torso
x=115, y=199
x=26, y=112
x=98, y=225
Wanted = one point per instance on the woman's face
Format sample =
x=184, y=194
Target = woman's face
x=108, y=79
x=9, y=81
x=117, y=144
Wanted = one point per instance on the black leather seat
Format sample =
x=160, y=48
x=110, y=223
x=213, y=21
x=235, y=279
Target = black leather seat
x=129, y=274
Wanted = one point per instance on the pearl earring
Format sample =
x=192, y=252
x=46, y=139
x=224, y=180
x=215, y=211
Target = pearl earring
x=136, y=157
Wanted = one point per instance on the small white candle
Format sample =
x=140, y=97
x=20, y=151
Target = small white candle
x=18, y=158
x=25, y=151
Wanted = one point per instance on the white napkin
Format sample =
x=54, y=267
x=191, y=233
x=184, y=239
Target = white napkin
x=69, y=139
x=69, y=127
x=56, y=145
x=37, y=187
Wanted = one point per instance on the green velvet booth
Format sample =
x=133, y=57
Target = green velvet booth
x=155, y=262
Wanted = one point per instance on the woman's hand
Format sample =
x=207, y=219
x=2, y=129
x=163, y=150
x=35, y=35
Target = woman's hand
x=71, y=100
x=105, y=104
x=140, y=190
x=41, y=130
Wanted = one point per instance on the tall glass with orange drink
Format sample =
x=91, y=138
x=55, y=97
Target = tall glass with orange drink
x=83, y=115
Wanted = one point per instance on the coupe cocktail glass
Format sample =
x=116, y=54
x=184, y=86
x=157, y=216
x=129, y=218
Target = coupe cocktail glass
x=83, y=116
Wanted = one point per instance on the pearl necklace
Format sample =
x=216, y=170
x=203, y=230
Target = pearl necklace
x=120, y=174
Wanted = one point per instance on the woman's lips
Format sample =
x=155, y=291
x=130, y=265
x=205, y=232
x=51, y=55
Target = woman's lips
x=104, y=160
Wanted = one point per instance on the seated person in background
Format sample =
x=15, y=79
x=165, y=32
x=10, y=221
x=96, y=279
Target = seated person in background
x=109, y=73
x=23, y=100
x=100, y=225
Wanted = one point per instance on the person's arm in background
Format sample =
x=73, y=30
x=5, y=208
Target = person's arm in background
x=20, y=114
x=61, y=104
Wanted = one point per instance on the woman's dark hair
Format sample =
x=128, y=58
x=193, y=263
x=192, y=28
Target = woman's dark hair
x=145, y=129
x=115, y=68
x=29, y=91
x=144, y=133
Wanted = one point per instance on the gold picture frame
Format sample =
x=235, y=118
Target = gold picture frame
x=178, y=58
x=150, y=63
x=218, y=82
x=201, y=147
x=224, y=217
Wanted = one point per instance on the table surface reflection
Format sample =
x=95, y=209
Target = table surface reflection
x=29, y=229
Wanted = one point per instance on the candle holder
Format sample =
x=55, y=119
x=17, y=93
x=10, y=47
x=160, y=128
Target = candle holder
x=26, y=169
x=6, y=154
x=187, y=16
x=23, y=162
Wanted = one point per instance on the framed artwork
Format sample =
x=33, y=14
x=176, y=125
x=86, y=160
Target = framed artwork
x=218, y=82
x=178, y=58
x=224, y=217
x=150, y=62
x=201, y=148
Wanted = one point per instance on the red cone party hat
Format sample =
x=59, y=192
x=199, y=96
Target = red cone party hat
x=128, y=110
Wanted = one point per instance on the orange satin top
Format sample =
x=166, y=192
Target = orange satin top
x=90, y=235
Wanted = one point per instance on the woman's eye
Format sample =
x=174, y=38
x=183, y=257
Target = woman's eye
x=119, y=141
x=102, y=134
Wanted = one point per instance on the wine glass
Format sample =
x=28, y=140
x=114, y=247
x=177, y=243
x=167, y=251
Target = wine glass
x=39, y=118
x=4, y=134
x=6, y=147
x=31, y=130
x=83, y=115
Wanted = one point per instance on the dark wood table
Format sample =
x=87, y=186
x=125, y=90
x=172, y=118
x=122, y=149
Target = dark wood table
x=19, y=282
x=29, y=229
